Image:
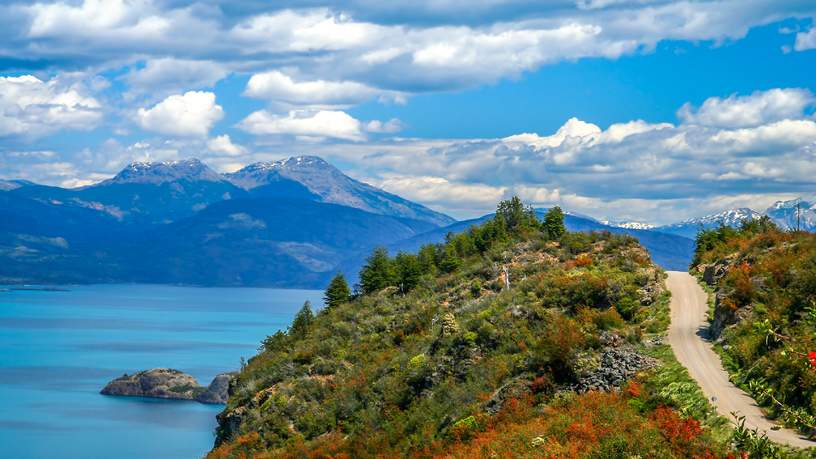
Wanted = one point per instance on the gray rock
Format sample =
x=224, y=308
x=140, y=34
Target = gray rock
x=217, y=392
x=615, y=368
x=170, y=384
x=156, y=383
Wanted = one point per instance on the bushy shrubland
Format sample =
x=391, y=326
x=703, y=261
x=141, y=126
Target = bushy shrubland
x=765, y=286
x=463, y=344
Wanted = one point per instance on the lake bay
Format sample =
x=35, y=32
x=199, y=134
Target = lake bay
x=59, y=348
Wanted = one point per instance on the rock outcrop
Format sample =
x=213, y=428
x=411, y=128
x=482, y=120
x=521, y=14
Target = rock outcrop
x=170, y=384
x=217, y=392
x=615, y=367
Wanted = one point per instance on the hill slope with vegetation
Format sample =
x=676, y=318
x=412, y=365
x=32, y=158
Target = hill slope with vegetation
x=513, y=339
x=764, y=313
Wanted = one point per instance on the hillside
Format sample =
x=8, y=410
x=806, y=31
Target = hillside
x=764, y=313
x=669, y=251
x=503, y=342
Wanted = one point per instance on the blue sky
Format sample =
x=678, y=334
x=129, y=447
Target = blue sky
x=646, y=110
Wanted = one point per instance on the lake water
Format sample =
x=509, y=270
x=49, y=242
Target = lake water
x=59, y=348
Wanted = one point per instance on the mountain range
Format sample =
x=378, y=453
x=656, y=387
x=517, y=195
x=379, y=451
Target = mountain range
x=292, y=223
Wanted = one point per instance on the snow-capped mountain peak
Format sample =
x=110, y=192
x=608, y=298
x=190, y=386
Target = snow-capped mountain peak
x=796, y=213
x=730, y=217
x=165, y=171
x=628, y=224
x=330, y=185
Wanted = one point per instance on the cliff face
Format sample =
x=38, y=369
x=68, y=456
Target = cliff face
x=170, y=384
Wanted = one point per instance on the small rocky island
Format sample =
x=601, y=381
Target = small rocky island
x=171, y=384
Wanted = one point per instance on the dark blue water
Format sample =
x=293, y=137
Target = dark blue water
x=58, y=349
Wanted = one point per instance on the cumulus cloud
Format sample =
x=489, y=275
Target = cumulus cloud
x=223, y=144
x=278, y=87
x=653, y=172
x=169, y=75
x=33, y=107
x=751, y=110
x=388, y=127
x=190, y=114
x=805, y=40
x=431, y=46
x=305, y=124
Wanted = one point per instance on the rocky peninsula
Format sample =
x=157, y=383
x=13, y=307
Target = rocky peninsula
x=170, y=384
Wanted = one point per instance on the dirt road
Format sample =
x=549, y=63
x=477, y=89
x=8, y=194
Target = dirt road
x=688, y=321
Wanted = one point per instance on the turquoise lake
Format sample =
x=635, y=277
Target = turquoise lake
x=59, y=348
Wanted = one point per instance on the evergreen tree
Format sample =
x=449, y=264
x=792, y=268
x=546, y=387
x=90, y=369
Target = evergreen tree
x=303, y=321
x=554, y=223
x=408, y=271
x=378, y=272
x=451, y=262
x=516, y=215
x=337, y=292
x=427, y=258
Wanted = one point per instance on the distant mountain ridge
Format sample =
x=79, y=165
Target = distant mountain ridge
x=181, y=222
x=332, y=186
x=166, y=171
x=690, y=228
x=628, y=224
x=289, y=223
x=796, y=213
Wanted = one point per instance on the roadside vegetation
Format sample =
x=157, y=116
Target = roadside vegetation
x=764, y=314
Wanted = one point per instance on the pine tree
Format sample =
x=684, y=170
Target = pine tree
x=378, y=272
x=554, y=223
x=302, y=322
x=408, y=271
x=515, y=215
x=337, y=292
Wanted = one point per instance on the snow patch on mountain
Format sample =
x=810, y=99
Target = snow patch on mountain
x=165, y=171
x=730, y=217
x=334, y=187
x=628, y=224
x=799, y=213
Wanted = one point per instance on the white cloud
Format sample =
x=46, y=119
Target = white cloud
x=223, y=144
x=305, y=30
x=438, y=190
x=768, y=139
x=752, y=110
x=190, y=114
x=574, y=128
x=32, y=107
x=388, y=127
x=319, y=125
x=169, y=75
x=439, y=45
x=805, y=40
x=620, y=131
x=637, y=170
x=278, y=87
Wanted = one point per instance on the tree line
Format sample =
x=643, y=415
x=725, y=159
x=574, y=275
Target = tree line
x=513, y=220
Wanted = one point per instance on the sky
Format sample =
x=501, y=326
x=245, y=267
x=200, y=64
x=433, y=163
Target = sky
x=644, y=110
